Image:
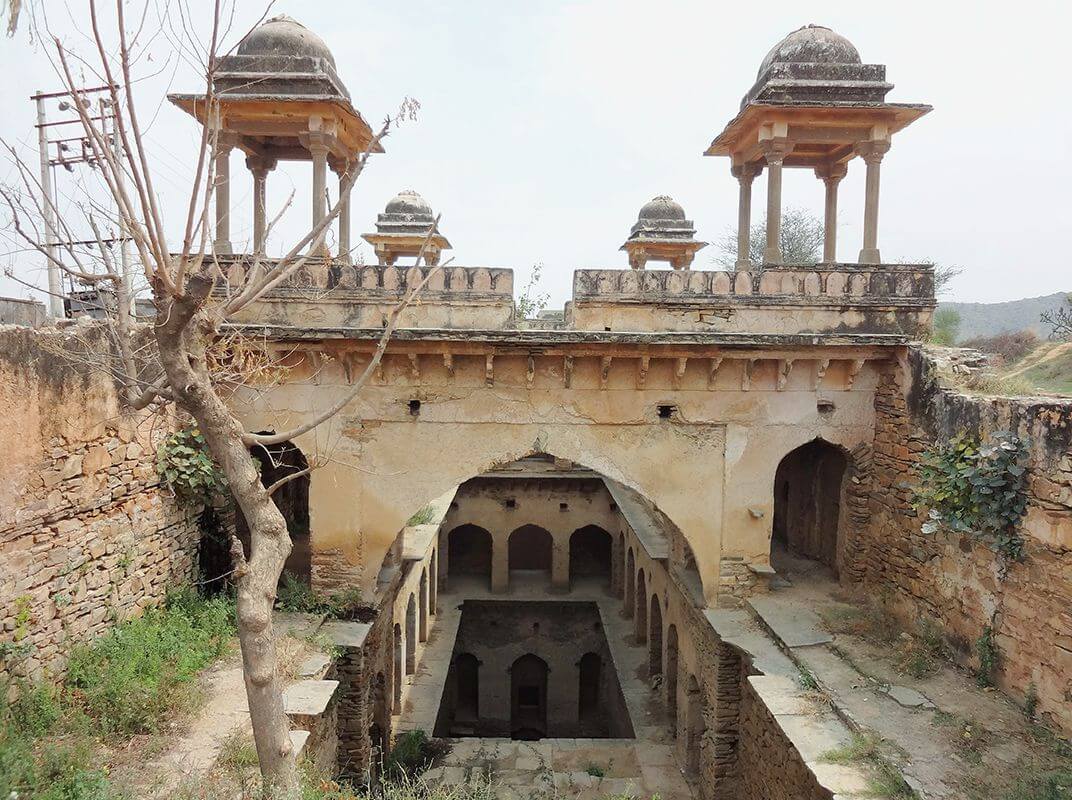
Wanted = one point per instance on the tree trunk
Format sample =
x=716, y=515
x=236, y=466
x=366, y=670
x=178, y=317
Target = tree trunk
x=181, y=336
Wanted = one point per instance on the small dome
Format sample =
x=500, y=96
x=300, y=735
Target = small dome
x=661, y=207
x=812, y=44
x=283, y=36
x=408, y=202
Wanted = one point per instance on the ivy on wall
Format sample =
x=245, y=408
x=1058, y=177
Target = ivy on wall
x=184, y=463
x=975, y=489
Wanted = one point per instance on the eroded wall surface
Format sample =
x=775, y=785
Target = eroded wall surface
x=87, y=535
x=956, y=580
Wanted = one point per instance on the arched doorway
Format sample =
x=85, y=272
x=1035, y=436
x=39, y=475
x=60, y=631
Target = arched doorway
x=590, y=554
x=589, y=680
x=807, y=502
x=396, y=670
x=655, y=639
x=469, y=552
x=411, y=635
x=694, y=725
x=530, y=552
x=528, y=698
x=422, y=609
x=670, y=677
x=630, y=584
x=466, y=688
x=640, y=624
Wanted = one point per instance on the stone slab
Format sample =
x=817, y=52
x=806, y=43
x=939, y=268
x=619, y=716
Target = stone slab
x=793, y=623
x=736, y=627
x=308, y=698
x=350, y=635
x=314, y=666
x=908, y=697
x=297, y=741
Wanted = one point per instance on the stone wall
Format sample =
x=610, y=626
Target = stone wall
x=955, y=580
x=87, y=536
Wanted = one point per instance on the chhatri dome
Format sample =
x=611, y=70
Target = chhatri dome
x=402, y=228
x=406, y=206
x=283, y=36
x=662, y=233
x=812, y=44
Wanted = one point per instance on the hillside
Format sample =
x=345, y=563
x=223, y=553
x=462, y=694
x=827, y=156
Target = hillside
x=988, y=319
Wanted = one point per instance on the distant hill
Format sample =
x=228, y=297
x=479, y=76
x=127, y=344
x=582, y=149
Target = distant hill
x=988, y=319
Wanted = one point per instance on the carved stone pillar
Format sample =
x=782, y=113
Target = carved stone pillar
x=342, y=169
x=872, y=153
x=775, y=151
x=500, y=564
x=225, y=142
x=259, y=167
x=318, y=145
x=745, y=174
x=831, y=175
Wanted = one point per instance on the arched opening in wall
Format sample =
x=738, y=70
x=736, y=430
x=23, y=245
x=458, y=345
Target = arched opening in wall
x=807, y=505
x=285, y=462
x=376, y=751
x=630, y=583
x=528, y=698
x=589, y=681
x=411, y=635
x=469, y=553
x=655, y=639
x=433, y=595
x=590, y=555
x=422, y=608
x=529, y=552
x=670, y=677
x=396, y=671
x=694, y=725
x=466, y=688
x=640, y=627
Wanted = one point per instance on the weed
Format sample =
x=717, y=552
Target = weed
x=422, y=517
x=413, y=753
x=886, y=780
x=1031, y=700
x=807, y=680
x=237, y=752
x=987, y=652
x=297, y=596
x=595, y=771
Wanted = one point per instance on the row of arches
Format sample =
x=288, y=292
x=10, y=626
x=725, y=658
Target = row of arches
x=529, y=549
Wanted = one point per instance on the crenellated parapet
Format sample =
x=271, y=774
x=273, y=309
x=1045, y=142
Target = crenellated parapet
x=889, y=298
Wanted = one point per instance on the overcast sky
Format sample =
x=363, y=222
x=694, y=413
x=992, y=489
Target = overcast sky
x=545, y=125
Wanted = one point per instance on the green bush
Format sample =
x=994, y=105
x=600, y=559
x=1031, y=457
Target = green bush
x=141, y=672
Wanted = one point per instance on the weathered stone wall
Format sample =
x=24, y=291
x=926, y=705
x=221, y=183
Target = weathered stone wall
x=955, y=580
x=87, y=536
x=769, y=766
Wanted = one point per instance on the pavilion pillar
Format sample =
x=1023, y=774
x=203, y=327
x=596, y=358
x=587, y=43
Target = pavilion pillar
x=317, y=144
x=500, y=564
x=260, y=167
x=560, y=556
x=872, y=153
x=745, y=174
x=225, y=142
x=831, y=175
x=774, y=151
x=342, y=169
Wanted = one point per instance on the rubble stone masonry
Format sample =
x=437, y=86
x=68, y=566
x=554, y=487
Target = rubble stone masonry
x=956, y=581
x=87, y=535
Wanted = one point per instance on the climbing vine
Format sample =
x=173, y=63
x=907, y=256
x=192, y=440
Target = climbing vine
x=976, y=489
x=185, y=465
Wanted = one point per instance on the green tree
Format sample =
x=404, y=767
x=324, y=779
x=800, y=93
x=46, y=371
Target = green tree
x=945, y=327
x=801, y=238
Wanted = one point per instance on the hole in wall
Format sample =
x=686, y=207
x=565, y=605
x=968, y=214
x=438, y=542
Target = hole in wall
x=825, y=407
x=414, y=407
x=511, y=503
x=563, y=506
x=666, y=412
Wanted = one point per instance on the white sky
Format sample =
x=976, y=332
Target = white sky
x=546, y=125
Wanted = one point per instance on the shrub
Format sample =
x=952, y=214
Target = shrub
x=1010, y=346
x=413, y=753
x=975, y=489
x=184, y=463
x=141, y=671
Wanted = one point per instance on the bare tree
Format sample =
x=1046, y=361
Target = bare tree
x=801, y=239
x=181, y=362
x=1060, y=320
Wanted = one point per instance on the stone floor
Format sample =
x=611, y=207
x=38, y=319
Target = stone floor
x=582, y=768
x=921, y=719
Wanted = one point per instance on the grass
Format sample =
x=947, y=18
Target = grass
x=919, y=653
x=295, y=595
x=422, y=517
x=53, y=740
x=412, y=754
x=886, y=780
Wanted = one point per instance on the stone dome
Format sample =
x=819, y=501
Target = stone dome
x=812, y=44
x=283, y=36
x=410, y=203
x=662, y=207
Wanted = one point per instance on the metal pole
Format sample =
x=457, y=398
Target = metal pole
x=55, y=286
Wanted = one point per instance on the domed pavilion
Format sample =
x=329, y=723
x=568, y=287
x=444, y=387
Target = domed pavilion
x=280, y=99
x=815, y=105
x=662, y=233
x=402, y=230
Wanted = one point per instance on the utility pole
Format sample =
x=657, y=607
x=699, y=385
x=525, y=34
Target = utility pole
x=55, y=285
